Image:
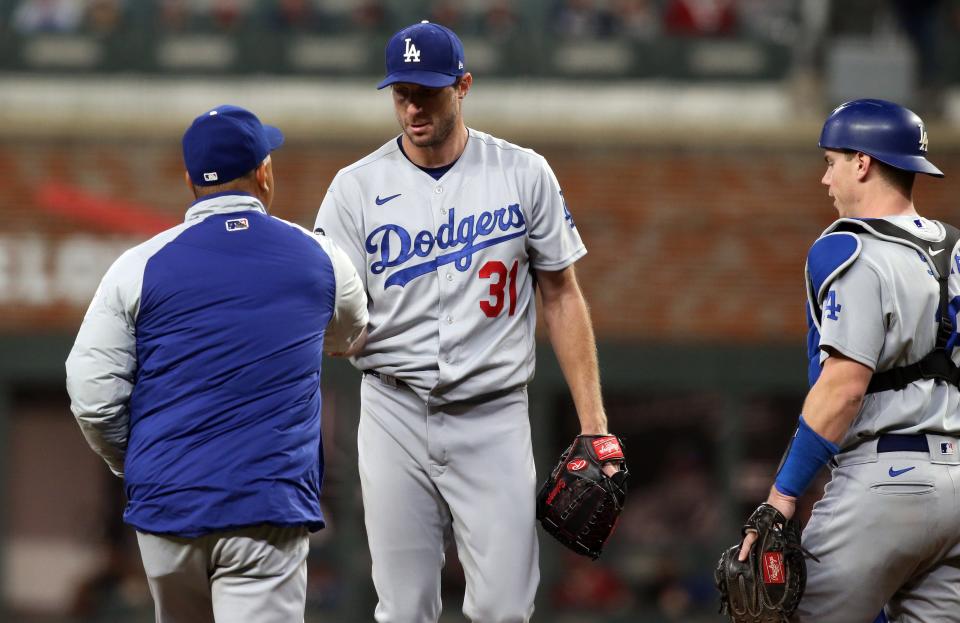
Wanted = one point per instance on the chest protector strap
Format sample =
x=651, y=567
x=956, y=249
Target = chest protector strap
x=936, y=364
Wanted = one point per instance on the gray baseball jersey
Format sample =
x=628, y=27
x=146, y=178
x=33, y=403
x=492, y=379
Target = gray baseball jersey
x=447, y=264
x=882, y=312
x=448, y=268
x=885, y=531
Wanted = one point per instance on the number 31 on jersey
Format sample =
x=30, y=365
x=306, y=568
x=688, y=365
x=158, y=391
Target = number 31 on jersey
x=503, y=284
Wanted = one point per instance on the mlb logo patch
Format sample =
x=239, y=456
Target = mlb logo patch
x=947, y=447
x=237, y=224
x=210, y=177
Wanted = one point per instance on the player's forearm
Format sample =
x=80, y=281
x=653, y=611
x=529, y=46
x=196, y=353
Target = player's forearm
x=830, y=415
x=355, y=347
x=104, y=442
x=571, y=334
x=835, y=399
x=830, y=407
x=105, y=426
x=100, y=371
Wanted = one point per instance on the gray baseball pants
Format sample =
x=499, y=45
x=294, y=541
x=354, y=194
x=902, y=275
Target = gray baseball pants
x=465, y=471
x=255, y=575
x=887, y=532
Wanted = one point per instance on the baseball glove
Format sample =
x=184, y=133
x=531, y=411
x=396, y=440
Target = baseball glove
x=579, y=504
x=768, y=585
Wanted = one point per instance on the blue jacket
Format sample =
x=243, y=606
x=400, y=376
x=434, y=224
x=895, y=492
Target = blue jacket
x=196, y=372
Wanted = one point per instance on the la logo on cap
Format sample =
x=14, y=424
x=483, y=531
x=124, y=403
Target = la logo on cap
x=411, y=54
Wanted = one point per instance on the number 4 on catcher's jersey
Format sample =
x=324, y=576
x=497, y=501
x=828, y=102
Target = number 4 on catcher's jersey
x=833, y=308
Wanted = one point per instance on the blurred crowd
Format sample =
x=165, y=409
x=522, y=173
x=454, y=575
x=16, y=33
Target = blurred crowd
x=780, y=20
x=931, y=28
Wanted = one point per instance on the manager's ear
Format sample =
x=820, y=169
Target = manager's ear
x=262, y=174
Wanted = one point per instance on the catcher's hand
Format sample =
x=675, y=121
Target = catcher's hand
x=579, y=504
x=768, y=585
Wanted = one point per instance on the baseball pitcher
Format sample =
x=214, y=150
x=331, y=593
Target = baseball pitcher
x=452, y=231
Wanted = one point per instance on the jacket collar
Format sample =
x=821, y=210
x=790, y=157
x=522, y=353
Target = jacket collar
x=223, y=203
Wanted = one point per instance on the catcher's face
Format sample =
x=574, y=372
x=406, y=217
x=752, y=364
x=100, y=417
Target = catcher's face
x=842, y=178
x=427, y=115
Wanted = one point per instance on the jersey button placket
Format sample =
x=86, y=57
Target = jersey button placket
x=448, y=292
x=446, y=341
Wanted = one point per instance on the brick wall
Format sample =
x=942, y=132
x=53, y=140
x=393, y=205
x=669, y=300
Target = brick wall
x=686, y=244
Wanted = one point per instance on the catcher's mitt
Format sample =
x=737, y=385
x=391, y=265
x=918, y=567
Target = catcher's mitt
x=579, y=504
x=768, y=585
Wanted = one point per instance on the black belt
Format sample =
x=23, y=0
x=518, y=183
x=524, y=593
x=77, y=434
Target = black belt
x=386, y=379
x=902, y=443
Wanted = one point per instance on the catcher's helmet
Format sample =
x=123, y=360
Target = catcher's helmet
x=886, y=131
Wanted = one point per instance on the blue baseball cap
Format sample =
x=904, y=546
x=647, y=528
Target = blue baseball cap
x=427, y=54
x=225, y=143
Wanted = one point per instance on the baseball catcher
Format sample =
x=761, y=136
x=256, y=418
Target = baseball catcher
x=768, y=585
x=579, y=504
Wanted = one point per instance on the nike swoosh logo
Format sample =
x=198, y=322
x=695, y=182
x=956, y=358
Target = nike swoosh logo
x=380, y=201
x=932, y=252
x=896, y=472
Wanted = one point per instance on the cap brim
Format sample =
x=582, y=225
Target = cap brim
x=274, y=136
x=430, y=79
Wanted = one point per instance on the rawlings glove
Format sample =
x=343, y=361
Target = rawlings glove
x=579, y=504
x=768, y=585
